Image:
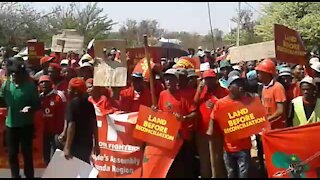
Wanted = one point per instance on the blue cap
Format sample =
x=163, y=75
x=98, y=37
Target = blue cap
x=251, y=75
x=231, y=79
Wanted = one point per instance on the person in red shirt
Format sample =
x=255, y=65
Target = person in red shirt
x=172, y=100
x=285, y=78
x=273, y=99
x=205, y=100
x=53, y=107
x=54, y=72
x=236, y=153
x=137, y=94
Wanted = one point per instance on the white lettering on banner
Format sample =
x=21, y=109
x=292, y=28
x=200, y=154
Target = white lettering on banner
x=116, y=160
x=119, y=147
x=122, y=170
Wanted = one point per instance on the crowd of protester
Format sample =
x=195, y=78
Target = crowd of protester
x=64, y=94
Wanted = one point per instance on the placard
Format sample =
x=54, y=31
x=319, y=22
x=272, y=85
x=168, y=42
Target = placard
x=157, y=128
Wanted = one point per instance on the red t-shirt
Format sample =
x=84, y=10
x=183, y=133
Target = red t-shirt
x=104, y=104
x=205, y=111
x=220, y=92
x=130, y=101
x=270, y=97
x=234, y=146
x=53, y=108
x=296, y=90
x=179, y=104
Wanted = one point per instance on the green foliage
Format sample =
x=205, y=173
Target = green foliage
x=301, y=16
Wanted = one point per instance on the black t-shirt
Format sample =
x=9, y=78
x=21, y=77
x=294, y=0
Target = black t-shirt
x=81, y=111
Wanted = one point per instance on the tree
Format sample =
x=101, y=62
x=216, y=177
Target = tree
x=133, y=31
x=19, y=23
x=89, y=21
x=301, y=16
x=247, y=34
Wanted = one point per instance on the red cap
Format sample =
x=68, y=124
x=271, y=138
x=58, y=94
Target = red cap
x=44, y=78
x=45, y=59
x=209, y=73
x=78, y=84
x=55, y=66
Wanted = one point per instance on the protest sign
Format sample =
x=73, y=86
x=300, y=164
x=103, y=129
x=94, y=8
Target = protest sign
x=109, y=73
x=289, y=45
x=135, y=55
x=120, y=154
x=292, y=152
x=256, y=51
x=68, y=40
x=35, y=52
x=60, y=167
x=242, y=119
x=157, y=128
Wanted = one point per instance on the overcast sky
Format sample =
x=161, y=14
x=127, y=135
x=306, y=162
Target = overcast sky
x=172, y=16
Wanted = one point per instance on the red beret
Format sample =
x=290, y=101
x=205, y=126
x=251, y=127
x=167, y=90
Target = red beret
x=78, y=84
x=55, y=66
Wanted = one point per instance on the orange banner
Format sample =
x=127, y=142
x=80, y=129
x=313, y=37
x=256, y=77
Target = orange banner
x=289, y=45
x=243, y=119
x=121, y=156
x=157, y=128
x=37, y=142
x=157, y=161
x=292, y=152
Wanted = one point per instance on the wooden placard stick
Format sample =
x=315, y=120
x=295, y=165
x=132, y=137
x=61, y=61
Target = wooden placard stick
x=146, y=52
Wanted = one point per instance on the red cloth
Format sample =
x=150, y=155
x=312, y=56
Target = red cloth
x=53, y=107
x=130, y=100
x=179, y=104
x=104, y=104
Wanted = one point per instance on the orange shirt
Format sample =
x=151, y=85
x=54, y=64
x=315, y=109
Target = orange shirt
x=179, y=104
x=273, y=94
x=234, y=146
x=130, y=101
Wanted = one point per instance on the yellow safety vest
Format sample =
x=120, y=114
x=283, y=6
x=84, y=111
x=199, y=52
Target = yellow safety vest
x=299, y=117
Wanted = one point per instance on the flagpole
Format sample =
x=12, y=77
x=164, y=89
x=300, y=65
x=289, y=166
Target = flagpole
x=212, y=36
x=238, y=28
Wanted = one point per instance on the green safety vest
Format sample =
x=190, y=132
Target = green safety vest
x=299, y=117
